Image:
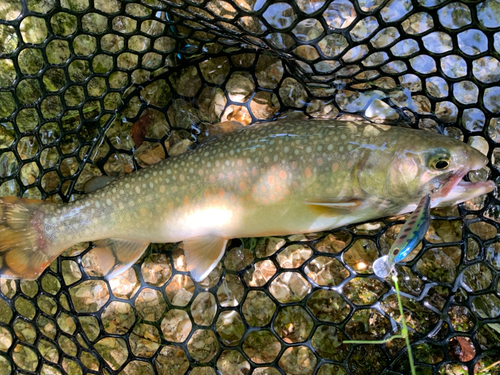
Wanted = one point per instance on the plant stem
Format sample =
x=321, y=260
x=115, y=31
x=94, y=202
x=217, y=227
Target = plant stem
x=404, y=330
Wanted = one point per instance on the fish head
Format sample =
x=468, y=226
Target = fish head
x=416, y=163
x=436, y=164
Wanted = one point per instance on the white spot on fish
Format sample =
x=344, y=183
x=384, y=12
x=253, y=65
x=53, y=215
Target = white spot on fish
x=137, y=189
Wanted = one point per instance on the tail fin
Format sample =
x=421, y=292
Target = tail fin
x=24, y=249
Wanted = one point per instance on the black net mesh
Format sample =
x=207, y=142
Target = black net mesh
x=75, y=75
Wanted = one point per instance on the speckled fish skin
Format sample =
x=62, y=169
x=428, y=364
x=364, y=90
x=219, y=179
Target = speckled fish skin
x=270, y=179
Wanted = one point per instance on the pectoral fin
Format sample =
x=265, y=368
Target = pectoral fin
x=115, y=255
x=334, y=206
x=202, y=254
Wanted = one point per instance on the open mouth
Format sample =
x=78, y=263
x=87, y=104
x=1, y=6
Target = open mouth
x=456, y=190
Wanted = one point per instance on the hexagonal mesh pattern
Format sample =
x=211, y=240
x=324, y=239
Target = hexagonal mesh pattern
x=77, y=74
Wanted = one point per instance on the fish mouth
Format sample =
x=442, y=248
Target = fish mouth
x=456, y=190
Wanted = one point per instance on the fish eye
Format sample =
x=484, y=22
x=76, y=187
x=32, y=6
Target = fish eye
x=442, y=164
x=439, y=159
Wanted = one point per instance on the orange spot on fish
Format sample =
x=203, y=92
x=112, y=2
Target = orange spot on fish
x=212, y=178
x=230, y=176
x=162, y=189
x=245, y=174
x=319, y=161
x=221, y=193
x=143, y=211
x=200, y=172
x=264, y=200
x=273, y=168
x=240, y=162
x=181, y=178
x=170, y=206
x=206, y=193
x=242, y=186
x=221, y=175
x=350, y=163
x=278, y=189
x=249, y=197
x=294, y=165
x=272, y=197
x=295, y=185
x=254, y=171
x=233, y=198
x=308, y=172
x=186, y=200
x=263, y=189
x=270, y=180
x=335, y=167
x=283, y=174
x=287, y=192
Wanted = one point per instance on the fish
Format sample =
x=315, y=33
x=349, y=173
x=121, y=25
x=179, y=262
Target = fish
x=270, y=179
x=410, y=235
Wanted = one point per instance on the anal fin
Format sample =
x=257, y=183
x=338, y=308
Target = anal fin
x=203, y=253
x=116, y=255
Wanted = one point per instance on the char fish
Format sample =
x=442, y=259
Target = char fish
x=292, y=176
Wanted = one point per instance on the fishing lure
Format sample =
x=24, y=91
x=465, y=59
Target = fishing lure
x=411, y=234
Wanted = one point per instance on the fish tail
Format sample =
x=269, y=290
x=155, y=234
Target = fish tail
x=25, y=250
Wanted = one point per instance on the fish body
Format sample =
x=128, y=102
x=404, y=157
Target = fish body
x=271, y=179
x=412, y=232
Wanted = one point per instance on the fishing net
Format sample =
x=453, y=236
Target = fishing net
x=104, y=87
